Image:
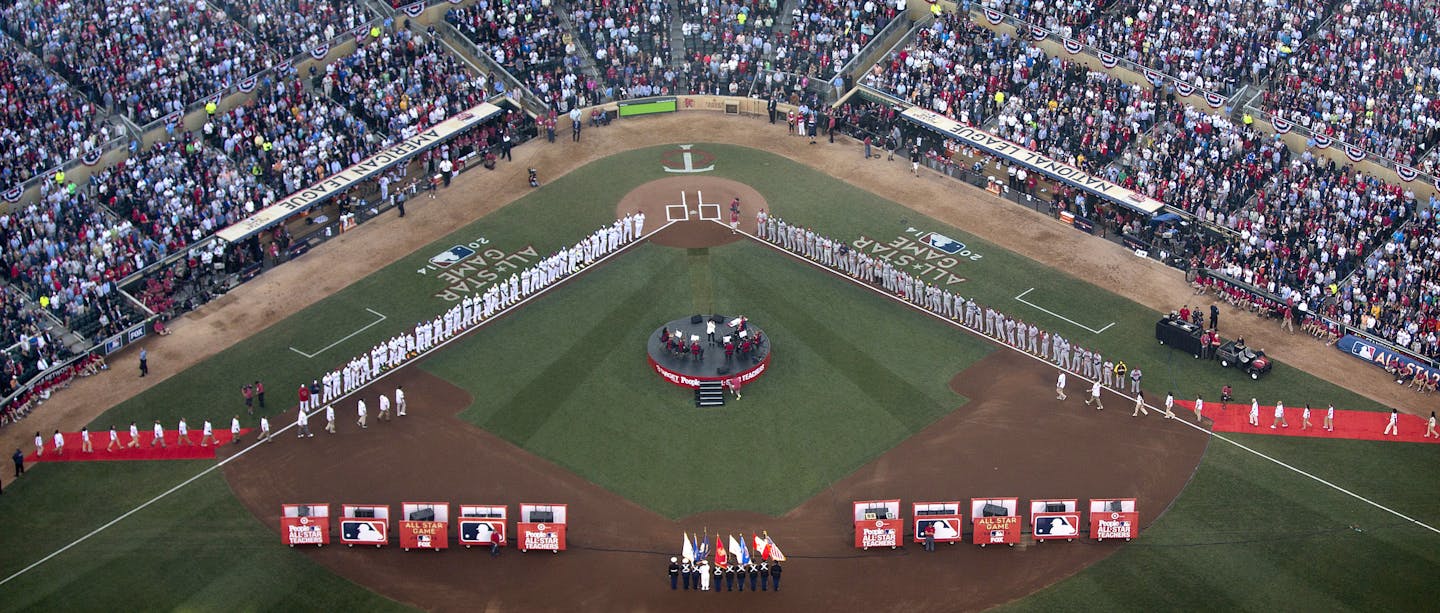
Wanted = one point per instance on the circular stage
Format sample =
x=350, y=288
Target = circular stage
x=689, y=369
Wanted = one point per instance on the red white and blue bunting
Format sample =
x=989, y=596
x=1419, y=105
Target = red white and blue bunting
x=1282, y=126
x=320, y=52
x=991, y=15
x=1183, y=88
x=1108, y=60
x=91, y=157
x=13, y=194
x=1356, y=154
x=1155, y=77
x=247, y=84
x=1038, y=33
x=1407, y=174
x=415, y=9
x=1321, y=141
x=1214, y=100
x=1073, y=46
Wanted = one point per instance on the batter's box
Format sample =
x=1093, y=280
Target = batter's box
x=677, y=212
x=709, y=212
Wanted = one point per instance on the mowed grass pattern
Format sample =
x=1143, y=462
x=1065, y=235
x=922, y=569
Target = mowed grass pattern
x=838, y=393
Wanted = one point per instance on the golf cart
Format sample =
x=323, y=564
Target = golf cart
x=1252, y=361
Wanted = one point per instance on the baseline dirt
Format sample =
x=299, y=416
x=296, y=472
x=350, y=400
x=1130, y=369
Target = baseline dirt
x=1011, y=439
x=337, y=263
x=654, y=197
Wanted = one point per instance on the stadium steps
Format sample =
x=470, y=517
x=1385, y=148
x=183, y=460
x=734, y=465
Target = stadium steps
x=678, y=49
x=710, y=394
x=587, y=55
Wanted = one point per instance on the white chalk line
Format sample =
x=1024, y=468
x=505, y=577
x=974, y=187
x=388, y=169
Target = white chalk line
x=337, y=400
x=1021, y=298
x=347, y=337
x=1117, y=392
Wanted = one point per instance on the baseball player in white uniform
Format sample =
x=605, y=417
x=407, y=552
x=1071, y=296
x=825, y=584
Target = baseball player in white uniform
x=59, y=443
x=640, y=224
x=400, y=401
x=1060, y=386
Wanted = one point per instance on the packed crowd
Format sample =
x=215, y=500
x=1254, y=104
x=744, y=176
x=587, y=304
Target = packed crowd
x=401, y=82
x=1201, y=163
x=1076, y=115
x=44, y=121
x=726, y=42
x=528, y=40
x=1394, y=296
x=957, y=68
x=630, y=42
x=146, y=59
x=291, y=137
x=292, y=27
x=1370, y=78
x=825, y=34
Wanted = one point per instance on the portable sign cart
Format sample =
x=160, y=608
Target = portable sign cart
x=1113, y=518
x=424, y=525
x=479, y=521
x=1054, y=519
x=878, y=523
x=365, y=524
x=996, y=521
x=946, y=518
x=541, y=526
x=305, y=524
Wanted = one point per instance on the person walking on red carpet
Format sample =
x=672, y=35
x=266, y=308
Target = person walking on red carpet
x=207, y=435
x=59, y=443
x=1393, y=427
x=159, y=438
x=134, y=436
x=1305, y=418
x=1430, y=427
x=1330, y=419
x=1279, y=416
x=1255, y=412
x=85, y=440
x=114, y=440
x=184, y=429
x=39, y=444
x=235, y=430
x=1199, y=408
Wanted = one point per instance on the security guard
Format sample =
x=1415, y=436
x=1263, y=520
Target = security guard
x=675, y=575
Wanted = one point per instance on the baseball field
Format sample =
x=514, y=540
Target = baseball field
x=865, y=398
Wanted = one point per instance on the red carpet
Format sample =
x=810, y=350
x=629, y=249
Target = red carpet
x=1355, y=425
x=99, y=440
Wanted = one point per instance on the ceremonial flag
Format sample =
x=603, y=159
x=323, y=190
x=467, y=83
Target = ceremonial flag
x=687, y=550
x=735, y=551
x=720, y=558
x=744, y=550
x=774, y=551
x=704, y=551
x=760, y=547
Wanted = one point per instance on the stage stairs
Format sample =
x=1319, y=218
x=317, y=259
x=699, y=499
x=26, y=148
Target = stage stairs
x=710, y=394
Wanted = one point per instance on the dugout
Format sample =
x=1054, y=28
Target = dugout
x=541, y=526
x=424, y=525
x=878, y=523
x=478, y=521
x=1113, y=518
x=305, y=524
x=1054, y=519
x=365, y=524
x=946, y=517
x=995, y=521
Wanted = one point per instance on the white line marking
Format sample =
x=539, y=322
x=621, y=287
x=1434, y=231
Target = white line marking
x=683, y=208
x=1117, y=392
x=350, y=336
x=387, y=373
x=1021, y=298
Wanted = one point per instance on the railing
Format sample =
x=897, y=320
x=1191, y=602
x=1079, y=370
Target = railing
x=900, y=29
x=513, y=87
x=1286, y=126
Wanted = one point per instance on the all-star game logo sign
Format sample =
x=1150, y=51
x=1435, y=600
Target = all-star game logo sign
x=687, y=159
x=929, y=255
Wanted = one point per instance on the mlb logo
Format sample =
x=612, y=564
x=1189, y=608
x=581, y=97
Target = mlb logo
x=454, y=255
x=1364, y=351
x=422, y=540
x=943, y=243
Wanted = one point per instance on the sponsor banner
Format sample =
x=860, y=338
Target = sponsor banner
x=1183, y=88
x=1356, y=154
x=1072, y=46
x=1381, y=355
x=1114, y=525
x=879, y=533
x=1214, y=100
x=1134, y=244
x=542, y=536
x=364, y=531
x=1084, y=225
x=1055, y=526
x=1107, y=60
x=424, y=534
x=1282, y=126
x=997, y=146
x=305, y=530
x=947, y=528
x=994, y=17
x=478, y=531
x=996, y=530
x=1407, y=174
x=693, y=381
x=350, y=176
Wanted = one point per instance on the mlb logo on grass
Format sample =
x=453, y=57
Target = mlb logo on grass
x=453, y=255
x=943, y=243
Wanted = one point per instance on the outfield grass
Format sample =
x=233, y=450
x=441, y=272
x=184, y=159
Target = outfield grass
x=839, y=392
x=843, y=351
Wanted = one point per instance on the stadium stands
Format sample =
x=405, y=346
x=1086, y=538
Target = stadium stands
x=45, y=122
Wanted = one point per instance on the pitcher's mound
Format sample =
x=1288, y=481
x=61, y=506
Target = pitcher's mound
x=701, y=216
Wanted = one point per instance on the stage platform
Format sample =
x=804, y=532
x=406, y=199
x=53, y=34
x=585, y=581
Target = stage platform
x=689, y=371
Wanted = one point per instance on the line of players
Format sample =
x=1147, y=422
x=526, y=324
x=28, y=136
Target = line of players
x=472, y=310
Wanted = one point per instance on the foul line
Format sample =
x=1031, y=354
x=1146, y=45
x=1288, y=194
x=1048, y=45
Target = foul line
x=1021, y=298
x=1117, y=392
x=292, y=424
x=348, y=337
